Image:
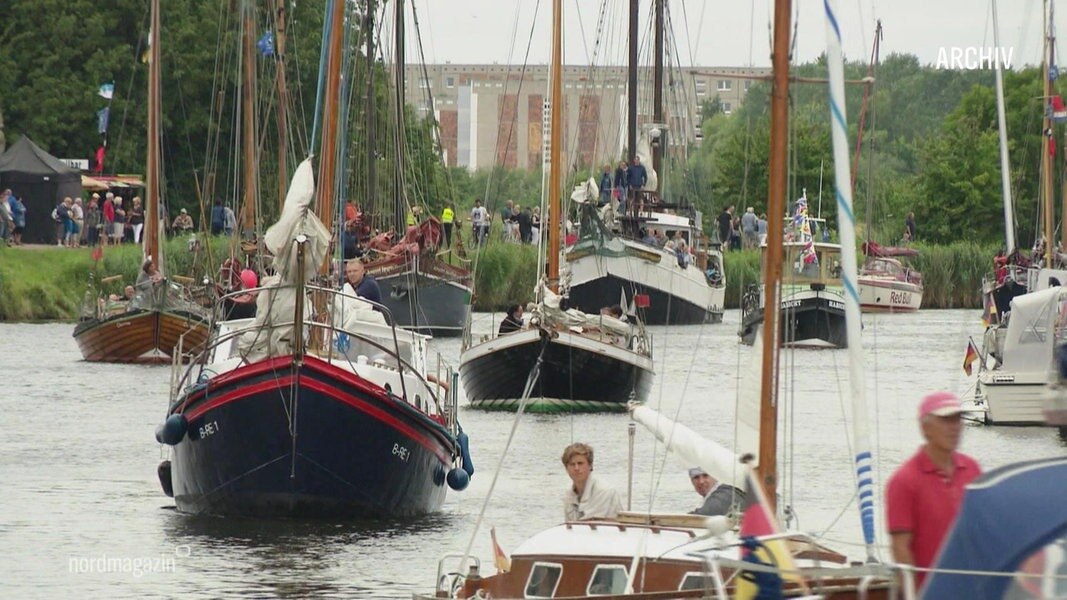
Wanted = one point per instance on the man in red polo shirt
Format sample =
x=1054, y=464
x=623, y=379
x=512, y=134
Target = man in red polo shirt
x=924, y=494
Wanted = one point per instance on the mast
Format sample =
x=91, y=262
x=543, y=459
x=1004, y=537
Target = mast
x=371, y=115
x=399, y=199
x=555, y=145
x=657, y=97
x=1002, y=123
x=330, y=111
x=1046, y=138
x=861, y=444
x=283, y=105
x=768, y=446
x=248, y=120
x=631, y=91
x=153, y=170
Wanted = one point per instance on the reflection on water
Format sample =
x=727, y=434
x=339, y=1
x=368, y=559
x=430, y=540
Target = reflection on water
x=78, y=464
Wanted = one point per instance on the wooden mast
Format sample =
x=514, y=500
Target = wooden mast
x=153, y=170
x=248, y=121
x=399, y=199
x=656, y=146
x=330, y=111
x=631, y=91
x=768, y=445
x=554, y=146
x=283, y=104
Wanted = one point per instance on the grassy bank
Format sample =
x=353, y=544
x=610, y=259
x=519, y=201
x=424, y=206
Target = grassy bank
x=48, y=283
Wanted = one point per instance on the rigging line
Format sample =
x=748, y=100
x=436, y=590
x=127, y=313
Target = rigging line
x=531, y=381
x=326, y=28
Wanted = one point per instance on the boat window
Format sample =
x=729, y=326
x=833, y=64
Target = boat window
x=1036, y=330
x=606, y=580
x=544, y=578
x=1042, y=575
x=696, y=581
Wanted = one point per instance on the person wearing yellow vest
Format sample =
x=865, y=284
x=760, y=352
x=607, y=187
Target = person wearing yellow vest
x=413, y=215
x=448, y=216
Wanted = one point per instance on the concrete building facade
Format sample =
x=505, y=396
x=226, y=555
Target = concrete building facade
x=494, y=114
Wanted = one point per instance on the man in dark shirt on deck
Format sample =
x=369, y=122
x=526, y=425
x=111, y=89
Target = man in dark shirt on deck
x=365, y=285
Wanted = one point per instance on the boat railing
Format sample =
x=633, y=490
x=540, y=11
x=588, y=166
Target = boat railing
x=328, y=341
x=637, y=340
x=450, y=582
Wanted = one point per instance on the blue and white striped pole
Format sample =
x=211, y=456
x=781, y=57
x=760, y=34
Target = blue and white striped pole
x=849, y=274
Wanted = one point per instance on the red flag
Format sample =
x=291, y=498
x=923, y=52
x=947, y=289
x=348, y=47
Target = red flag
x=642, y=300
x=98, y=253
x=1052, y=147
x=100, y=152
x=970, y=357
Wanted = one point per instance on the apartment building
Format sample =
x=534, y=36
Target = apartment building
x=494, y=114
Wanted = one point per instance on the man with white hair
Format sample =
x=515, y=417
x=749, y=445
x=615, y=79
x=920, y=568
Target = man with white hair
x=750, y=228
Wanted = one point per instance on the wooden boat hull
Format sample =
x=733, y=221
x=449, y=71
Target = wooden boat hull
x=878, y=294
x=676, y=296
x=426, y=295
x=141, y=336
x=577, y=374
x=279, y=438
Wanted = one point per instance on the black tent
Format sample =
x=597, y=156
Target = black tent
x=42, y=181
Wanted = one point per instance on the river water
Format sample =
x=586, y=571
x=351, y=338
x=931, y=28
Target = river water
x=82, y=513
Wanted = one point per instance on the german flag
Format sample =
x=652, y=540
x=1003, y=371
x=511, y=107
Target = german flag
x=758, y=520
x=970, y=357
x=500, y=560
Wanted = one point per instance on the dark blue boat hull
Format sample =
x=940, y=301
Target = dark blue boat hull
x=273, y=439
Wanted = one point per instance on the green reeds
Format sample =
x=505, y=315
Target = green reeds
x=505, y=274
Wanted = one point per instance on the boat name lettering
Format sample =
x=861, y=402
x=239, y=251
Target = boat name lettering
x=210, y=428
x=401, y=452
x=837, y=305
x=791, y=304
x=900, y=298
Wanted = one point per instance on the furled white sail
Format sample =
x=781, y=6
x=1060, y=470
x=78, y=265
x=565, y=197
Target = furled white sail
x=694, y=449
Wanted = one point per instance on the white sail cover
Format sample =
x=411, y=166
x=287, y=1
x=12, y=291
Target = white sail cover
x=644, y=151
x=694, y=449
x=276, y=304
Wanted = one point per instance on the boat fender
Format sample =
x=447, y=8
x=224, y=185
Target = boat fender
x=465, y=452
x=458, y=479
x=159, y=434
x=174, y=429
x=164, y=478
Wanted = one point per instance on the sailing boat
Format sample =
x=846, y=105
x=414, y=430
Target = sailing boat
x=886, y=283
x=1022, y=300
x=586, y=362
x=679, y=285
x=423, y=292
x=318, y=406
x=644, y=556
x=157, y=322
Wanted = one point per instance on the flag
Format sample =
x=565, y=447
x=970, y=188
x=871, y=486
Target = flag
x=642, y=300
x=102, y=116
x=107, y=90
x=146, y=56
x=98, y=253
x=1059, y=111
x=970, y=357
x=500, y=560
x=100, y=152
x=757, y=519
x=266, y=44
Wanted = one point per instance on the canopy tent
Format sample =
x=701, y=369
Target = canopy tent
x=41, y=181
x=1008, y=520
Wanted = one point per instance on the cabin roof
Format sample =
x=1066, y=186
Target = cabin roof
x=614, y=539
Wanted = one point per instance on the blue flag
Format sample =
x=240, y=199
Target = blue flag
x=266, y=44
x=107, y=90
x=102, y=116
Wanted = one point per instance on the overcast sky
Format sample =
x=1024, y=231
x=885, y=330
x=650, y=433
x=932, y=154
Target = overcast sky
x=724, y=32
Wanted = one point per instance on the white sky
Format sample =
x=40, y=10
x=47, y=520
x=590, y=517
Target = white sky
x=724, y=33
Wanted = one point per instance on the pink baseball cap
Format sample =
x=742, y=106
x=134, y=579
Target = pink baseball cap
x=940, y=404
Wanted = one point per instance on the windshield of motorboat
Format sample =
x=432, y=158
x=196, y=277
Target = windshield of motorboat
x=811, y=262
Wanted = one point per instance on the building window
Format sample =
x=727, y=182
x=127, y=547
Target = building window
x=725, y=85
x=726, y=108
x=450, y=82
x=748, y=84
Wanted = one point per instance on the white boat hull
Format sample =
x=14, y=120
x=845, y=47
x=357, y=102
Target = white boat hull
x=880, y=294
x=1013, y=398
